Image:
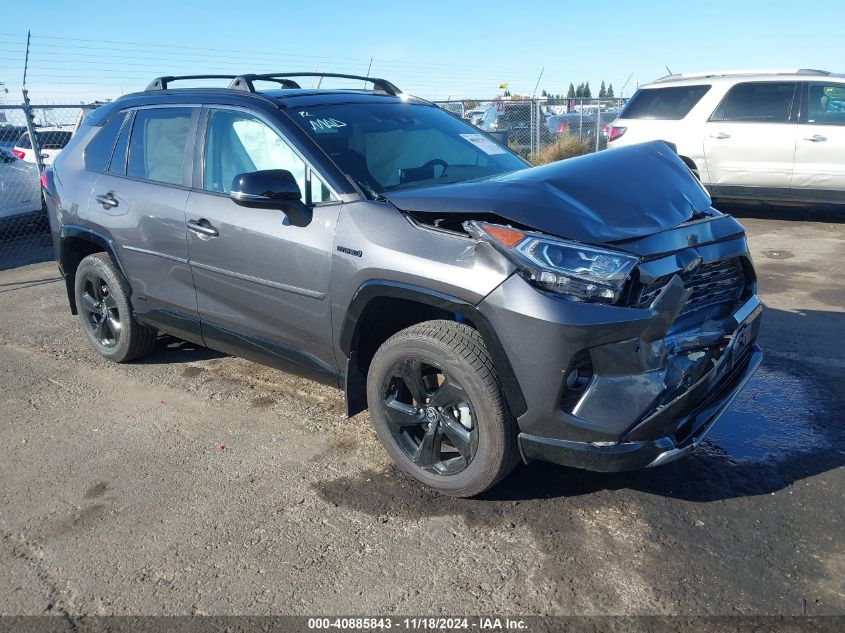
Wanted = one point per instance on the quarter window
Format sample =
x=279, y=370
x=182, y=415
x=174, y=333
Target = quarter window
x=99, y=150
x=238, y=143
x=669, y=104
x=764, y=102
x=157, y=145
x=826, y=104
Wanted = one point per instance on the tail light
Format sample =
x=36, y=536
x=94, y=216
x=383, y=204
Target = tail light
x=562, y=127
x=19, y=153
x=614, y=132
x=48, y=185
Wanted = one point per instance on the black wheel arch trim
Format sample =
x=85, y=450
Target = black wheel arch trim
x=378, y=288
x=83, y=233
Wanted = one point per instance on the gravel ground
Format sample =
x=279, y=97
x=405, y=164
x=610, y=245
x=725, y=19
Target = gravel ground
x=192, y=482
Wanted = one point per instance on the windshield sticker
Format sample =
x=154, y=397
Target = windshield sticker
x=484, y=144
x=326, y=125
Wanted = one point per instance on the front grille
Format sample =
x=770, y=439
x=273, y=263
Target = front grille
x=714, y=284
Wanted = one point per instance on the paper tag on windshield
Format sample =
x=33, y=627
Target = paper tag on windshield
x=484, y=144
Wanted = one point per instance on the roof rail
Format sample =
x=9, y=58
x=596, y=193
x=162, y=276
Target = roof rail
x=732, y=73
x=161, y=83
x=246, y=82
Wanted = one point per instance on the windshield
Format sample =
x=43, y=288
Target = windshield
x=384, y=147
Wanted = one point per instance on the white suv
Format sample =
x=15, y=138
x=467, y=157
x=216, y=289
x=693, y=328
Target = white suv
x=764, y=135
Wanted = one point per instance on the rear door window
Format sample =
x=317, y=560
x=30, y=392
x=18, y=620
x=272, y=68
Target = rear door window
x=670, y=104
x=53, y=139
x=826, y=104
x=157, y=147
x=118, y=158
x=761, y=102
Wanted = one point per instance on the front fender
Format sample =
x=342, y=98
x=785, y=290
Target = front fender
x=355, y=326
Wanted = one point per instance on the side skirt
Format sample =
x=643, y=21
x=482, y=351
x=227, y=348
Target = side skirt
x=256, y=349
x=270, y=353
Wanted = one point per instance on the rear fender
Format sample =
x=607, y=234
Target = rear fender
x=70, y=254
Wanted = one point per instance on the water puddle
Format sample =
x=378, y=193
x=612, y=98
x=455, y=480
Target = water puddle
x=777, y=414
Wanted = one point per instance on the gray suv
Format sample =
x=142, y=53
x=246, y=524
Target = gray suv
x=595, y=312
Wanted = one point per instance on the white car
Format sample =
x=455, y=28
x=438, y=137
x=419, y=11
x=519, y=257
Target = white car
x=51, y=141
x=766, y=135
x=20, y=187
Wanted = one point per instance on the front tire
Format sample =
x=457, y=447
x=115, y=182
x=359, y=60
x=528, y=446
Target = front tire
x=438, y=409
x=102, y=300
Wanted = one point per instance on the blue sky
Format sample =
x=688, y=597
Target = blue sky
x=434, y=49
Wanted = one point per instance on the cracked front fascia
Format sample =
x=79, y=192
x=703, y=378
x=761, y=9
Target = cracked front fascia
x=636, y=375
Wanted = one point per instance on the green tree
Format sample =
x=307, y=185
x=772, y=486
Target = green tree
x=587, y=94
x=579, y=91
x=609, y=94
x=544, y=93
x=602, y=91
x=571, y=93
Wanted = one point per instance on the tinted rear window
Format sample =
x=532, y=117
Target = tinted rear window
x=53, y=139
x=763, y=102
x=664, y=103
x=99, y=150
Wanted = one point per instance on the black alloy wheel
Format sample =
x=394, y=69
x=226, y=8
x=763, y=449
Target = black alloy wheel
x=438, y=410
x=101, y=311
x=105, y=311
x=430, y=418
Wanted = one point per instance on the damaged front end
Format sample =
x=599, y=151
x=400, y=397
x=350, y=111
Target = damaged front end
x=639, y=382
x=631, y=320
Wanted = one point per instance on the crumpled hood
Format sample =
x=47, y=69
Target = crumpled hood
x=604, y=197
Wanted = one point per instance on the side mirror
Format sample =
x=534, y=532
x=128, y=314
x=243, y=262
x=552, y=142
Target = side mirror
x=267, y=189
x=271, y=189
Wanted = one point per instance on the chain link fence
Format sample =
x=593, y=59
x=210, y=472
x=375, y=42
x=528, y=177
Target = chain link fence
x=541, y=129
x=30, y=138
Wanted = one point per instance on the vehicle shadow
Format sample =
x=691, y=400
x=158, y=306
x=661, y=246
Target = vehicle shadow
x=783, y=427
x=170, y=350
x=21, y=285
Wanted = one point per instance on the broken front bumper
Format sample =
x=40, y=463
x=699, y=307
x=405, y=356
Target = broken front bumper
x=706, y=402
x=654, y=394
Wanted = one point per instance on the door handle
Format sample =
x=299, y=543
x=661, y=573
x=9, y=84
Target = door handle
x=720, y=135
x=815, y=138
x=108, y=200
x=202, y=228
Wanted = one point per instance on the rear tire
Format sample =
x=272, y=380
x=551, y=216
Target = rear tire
x=438, y=409
x=102, y=300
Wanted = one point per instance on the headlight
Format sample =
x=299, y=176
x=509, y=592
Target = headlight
x=577, y=271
